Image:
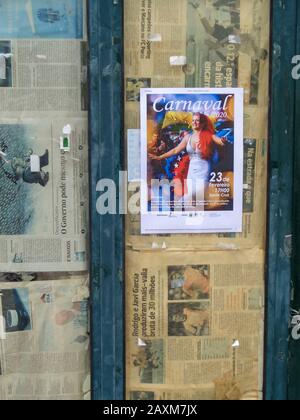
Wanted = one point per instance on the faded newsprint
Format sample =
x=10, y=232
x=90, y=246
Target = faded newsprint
x=43, y=136
x=44, y=340
x=195, y=325
x=43, y=52
x=224, y=44
x=43, y=75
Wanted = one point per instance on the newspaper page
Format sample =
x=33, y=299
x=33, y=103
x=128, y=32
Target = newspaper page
x=195, y=325
x=226, y=44
x=193, y=182
x=44, y=340
x=43, y=136
x=44, y=213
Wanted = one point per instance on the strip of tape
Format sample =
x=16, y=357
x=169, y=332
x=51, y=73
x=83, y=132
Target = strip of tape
x=155, y=38
x=235, y=344
x=35, y=165
x=234, y=39
x=67, y=130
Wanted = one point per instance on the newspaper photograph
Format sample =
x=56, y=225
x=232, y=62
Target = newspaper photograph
x=195, y=322
x=213, y=41
x=191, y=158
x=42, y=19
x=43, y=195
x=224, y=38
x=44, y=348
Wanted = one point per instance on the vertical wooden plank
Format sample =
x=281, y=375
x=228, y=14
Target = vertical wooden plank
x=105, y=37
x=280, y=199
x=294, y=363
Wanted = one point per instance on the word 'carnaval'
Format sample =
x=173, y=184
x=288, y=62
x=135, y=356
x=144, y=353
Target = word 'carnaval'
x=162, y=104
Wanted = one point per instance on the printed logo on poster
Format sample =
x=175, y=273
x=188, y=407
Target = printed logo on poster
x=192, y=160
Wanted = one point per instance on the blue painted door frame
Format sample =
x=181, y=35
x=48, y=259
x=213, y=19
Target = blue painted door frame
x=107, y=233
x=107, y=247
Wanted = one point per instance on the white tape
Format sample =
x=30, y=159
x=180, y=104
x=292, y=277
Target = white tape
x=35, y=165
x=155, y=38
x=67, y=130
x=141, y=343
x=41, y=57
x=234, y=39
x=236, y=344
x=227, y=247
x=178, y=60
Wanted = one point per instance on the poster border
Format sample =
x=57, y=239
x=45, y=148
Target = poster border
x=150, y=219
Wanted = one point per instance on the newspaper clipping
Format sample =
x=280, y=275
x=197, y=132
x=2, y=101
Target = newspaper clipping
x=43, y=136
x=44, y=340
x=195, y=320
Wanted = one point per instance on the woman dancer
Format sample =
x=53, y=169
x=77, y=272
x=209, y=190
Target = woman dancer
x=200, y=148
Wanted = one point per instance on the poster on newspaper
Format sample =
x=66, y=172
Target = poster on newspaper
x=191, y=160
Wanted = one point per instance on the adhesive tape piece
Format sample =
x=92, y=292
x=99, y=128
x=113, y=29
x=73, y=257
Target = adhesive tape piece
x=235, y=344
x=35, y=165
x=141, y=343
x=41, y=57
x=178, y=60
x=67, y=130
x=234, y=39
x=155, y=38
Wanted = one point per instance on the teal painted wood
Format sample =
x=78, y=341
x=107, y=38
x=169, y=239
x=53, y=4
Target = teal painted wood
x=284, y=23
x=107, y=311
x=294, y=364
